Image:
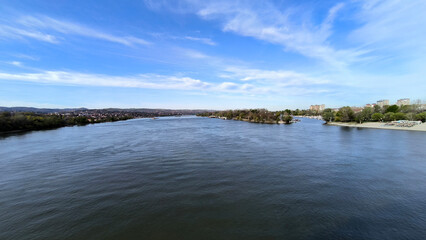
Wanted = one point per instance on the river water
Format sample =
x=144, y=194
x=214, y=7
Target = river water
x=201, y=178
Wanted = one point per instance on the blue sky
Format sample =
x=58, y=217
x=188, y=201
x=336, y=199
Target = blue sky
x=211, y=54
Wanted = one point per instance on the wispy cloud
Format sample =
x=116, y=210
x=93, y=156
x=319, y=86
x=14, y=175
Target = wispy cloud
x=147, y=81
x=203, y=40
x=207, y=41
x=15, y=63
x=18, y=33
x=25, y=56
x=265, y=22
x=51, y=30
x=391, y=26
x=277, y=77
x=151, y=81
x=258, y=84
x=383, y=30
x=276, y=82
x=191, y=53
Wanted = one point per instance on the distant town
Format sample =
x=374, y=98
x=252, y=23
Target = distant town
x=381, y=103
x=401, y=115
x=24, y=118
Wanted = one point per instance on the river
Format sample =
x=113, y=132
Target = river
x=201, y=178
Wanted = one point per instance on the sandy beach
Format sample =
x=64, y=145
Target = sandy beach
x=380, y=125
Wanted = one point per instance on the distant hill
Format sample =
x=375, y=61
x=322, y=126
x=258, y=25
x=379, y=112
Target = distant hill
x=132, y=110
x=39, y=110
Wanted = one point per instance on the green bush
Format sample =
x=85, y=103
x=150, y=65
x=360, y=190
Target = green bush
x=346, y=114
x=377, y=117
x=400, y=116
x=392, y=108
x=328, y=115
x=421, y=117
x=390, y=116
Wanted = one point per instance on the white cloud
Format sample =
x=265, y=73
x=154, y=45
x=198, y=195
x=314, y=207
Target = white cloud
x=203, y=40
x=25, y=56
x=327, y=24
x=265, y=22
x=151, y=81
x=280, y=78
x=392, y=25
x=17, y=33
x=45, y=28
x=287, y=83
x=191, y=53
x=207, y=41
x=15, y=63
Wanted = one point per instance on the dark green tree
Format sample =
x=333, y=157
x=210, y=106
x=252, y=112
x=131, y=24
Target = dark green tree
x=392, y=108
x=287, y=118
x=421, y=116
x=390, y=116
x=328, y=115
x=400, y=116
x=377, y=109
x=346, y=114
x=377, y=117
x=365, y=115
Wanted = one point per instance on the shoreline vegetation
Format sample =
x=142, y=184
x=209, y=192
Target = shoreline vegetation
x=405, y=117
x=27, y=121
x=16, y=121
x=253, y=116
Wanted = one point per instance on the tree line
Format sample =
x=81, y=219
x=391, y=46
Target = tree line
x=252, y=115
x=376, y=114
x=23, y=121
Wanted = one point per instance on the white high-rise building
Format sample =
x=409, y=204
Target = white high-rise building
x=403, y=101
x=383, y=102
x=317, y=108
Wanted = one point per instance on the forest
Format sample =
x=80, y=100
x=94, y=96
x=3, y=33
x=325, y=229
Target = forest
x=25, y=121
x=375, y=114
x=252, y=115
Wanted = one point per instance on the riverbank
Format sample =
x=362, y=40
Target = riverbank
x=379, y=125
x=309, y=116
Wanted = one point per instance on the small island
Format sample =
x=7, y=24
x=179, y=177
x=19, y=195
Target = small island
x=253, y=115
